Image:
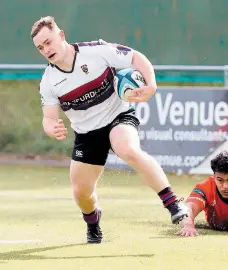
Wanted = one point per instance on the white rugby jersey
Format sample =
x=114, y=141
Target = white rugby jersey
x=86, y=94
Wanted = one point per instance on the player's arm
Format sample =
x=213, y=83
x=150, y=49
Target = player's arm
x=196, y=202
x=144, y=66
x=188, y=224
x=53, y=126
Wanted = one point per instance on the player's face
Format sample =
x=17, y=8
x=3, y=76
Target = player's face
x=221, y=180
x=51, y=44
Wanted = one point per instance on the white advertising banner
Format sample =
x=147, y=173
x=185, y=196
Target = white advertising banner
x=183, y=128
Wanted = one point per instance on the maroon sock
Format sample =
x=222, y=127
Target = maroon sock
x=91, y=218
x=167, y=196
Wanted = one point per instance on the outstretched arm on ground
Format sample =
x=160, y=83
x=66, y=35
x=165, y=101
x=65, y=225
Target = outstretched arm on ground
x=188, y=224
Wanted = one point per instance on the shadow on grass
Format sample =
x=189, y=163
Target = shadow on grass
x=28, y=254
x=204, y=229
x=167, y=230
x=201, y=227
x=156, y=224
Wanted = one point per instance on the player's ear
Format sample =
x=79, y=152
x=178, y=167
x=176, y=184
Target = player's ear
x=62, y=34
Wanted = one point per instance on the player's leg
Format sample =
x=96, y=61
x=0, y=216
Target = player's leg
x=84, y=178
x=125, y=142
x=88, y=159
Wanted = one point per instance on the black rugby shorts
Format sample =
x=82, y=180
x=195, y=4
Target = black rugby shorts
x=93, y=147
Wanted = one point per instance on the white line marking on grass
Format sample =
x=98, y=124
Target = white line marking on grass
x=20, y=241
x=23, y=195
x=17, y=194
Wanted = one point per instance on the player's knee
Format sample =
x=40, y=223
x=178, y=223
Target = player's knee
x=128, y=153
x=82, y=193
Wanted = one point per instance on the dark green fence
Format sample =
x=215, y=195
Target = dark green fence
x=167, y=31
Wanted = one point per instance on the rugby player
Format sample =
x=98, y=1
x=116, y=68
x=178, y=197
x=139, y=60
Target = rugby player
x=79, y=80
x=210, y=196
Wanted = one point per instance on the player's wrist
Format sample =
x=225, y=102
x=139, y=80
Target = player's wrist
x=187, y=222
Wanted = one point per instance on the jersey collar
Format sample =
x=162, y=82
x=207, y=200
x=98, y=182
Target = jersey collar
x=76, y=51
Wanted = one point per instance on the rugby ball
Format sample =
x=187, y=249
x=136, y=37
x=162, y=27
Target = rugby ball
x=126, y=80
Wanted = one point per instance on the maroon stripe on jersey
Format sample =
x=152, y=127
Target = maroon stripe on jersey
x=85, y=88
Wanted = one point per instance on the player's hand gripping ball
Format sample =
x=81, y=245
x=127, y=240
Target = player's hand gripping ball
x=126, y=80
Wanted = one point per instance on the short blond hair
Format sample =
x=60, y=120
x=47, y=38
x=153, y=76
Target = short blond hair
x=47, y=21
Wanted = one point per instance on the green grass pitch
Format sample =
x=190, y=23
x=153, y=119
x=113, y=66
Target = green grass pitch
x=41, y=227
